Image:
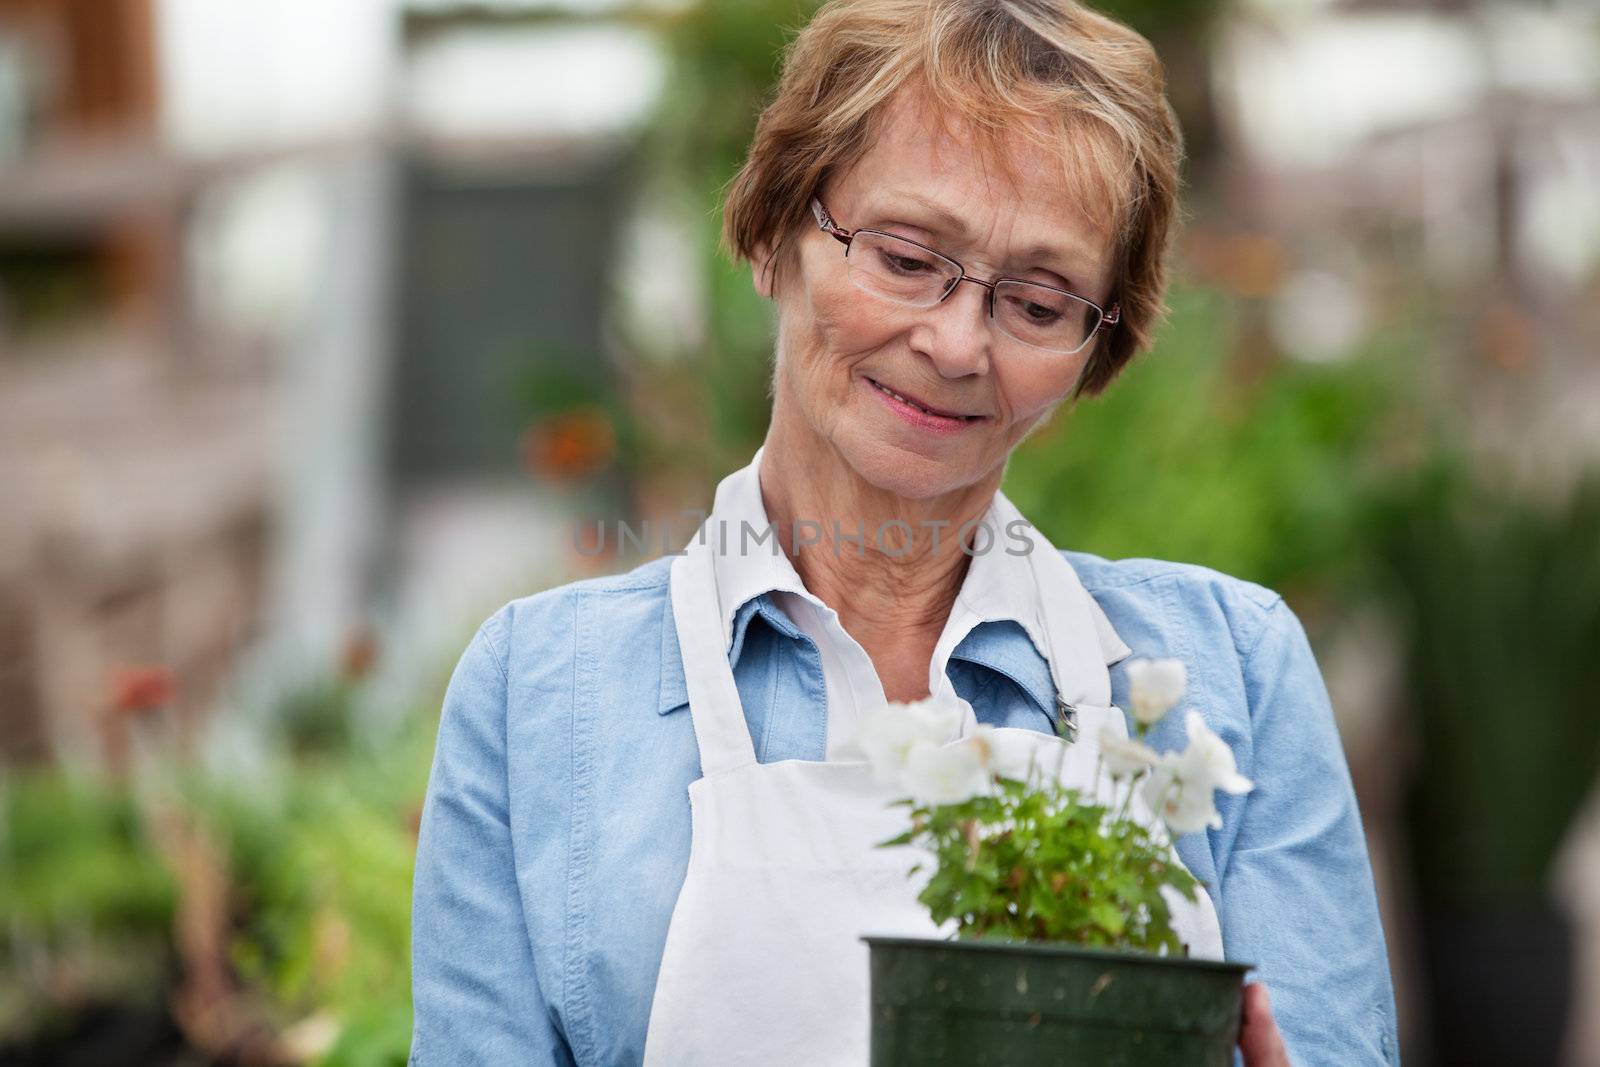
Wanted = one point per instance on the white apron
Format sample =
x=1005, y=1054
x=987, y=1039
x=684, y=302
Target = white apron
x=763, y=961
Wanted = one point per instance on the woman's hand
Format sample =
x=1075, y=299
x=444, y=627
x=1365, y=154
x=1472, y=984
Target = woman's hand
x=1259, y=1040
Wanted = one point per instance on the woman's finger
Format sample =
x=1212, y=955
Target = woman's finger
x=1259, y=1040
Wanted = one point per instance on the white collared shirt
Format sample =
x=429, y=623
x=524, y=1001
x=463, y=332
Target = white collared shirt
x=749, y=561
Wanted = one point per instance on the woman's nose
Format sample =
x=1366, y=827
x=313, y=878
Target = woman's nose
x=957, y=333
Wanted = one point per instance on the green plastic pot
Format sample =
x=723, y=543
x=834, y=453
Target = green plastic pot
x=1022, y=1003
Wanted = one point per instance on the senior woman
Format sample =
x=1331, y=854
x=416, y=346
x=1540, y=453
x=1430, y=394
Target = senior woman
x=960, y=209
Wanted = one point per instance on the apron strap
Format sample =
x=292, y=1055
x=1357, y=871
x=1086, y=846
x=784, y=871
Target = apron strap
x=720, y=727
x=1075, y=655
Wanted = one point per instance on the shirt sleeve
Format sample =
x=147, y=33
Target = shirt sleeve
x=475, y=994
x=1298, y=899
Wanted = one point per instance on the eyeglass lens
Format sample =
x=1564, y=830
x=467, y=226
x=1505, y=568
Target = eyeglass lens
x=909, y=274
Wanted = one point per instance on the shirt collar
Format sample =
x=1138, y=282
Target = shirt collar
x=674, y=687
x=1004, y=637
x=1003, y=646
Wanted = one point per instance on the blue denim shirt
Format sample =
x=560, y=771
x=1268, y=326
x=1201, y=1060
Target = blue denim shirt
x=555, y=833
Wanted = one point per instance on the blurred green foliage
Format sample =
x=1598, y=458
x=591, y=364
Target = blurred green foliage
x=74, y=860
x=318, y=717
x=1497, y=599
x=316, y=858
x=86, y=903
x=726, y=56
x=322, y=874
x=1196, y=453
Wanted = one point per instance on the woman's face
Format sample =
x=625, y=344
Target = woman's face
x=840, y=348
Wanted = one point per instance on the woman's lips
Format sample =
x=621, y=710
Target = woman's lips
x=919, y=403
x=920, y=414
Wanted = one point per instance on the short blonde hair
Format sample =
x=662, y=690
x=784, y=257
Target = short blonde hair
x=1078, y=84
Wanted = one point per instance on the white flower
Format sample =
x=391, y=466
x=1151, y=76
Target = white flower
x=949, y=774
x=886, y=738
x=1124, y=756
x=1185, y=808
x=1156, y=686
x=1208, y=760
x=1182, y=786
x=1014, y=755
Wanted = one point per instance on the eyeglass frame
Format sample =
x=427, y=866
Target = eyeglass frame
x=1109, y=317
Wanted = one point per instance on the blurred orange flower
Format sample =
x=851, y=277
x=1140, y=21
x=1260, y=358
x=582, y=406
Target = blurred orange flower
x=141, y=690
x=570, y=446
x=359, y=654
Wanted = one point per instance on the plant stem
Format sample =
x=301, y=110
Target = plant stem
x=1127, y=800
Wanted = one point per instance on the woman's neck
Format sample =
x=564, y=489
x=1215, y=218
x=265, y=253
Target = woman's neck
x=891, y=566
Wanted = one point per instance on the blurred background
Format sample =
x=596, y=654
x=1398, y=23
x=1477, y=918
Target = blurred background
x=324, y=325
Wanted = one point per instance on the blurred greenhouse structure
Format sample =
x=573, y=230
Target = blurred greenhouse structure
x=324, y=326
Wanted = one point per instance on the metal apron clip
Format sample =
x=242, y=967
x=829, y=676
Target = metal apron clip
x=1066, y=721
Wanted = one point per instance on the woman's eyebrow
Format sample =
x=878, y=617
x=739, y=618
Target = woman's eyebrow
x=1056, y=258
x=949, y=220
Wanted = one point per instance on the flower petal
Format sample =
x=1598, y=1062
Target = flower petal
x=1155, y=686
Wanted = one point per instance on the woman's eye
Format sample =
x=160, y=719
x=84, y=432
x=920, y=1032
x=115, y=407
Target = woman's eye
x=1038, y=314
x=906, y=264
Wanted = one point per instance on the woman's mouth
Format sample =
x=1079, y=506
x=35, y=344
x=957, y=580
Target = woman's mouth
x=921, y=414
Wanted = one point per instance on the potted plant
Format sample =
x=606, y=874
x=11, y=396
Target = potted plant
x=1058, y=894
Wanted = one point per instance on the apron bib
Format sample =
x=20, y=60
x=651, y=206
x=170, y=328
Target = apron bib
x=763, y=960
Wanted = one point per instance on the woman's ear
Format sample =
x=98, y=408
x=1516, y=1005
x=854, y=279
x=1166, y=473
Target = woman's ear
x=761, y=269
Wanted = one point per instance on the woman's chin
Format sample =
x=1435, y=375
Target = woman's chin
x=892, y=466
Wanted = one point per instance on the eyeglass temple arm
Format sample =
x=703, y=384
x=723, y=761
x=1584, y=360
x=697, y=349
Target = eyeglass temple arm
x=825, y=221
x=1112, y=316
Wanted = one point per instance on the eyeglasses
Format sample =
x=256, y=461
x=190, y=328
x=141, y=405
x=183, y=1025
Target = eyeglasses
x=905, y=272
